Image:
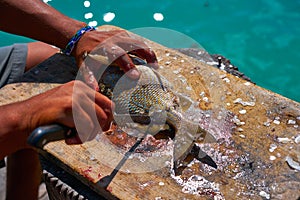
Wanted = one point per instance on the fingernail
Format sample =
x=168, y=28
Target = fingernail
x=134, y=73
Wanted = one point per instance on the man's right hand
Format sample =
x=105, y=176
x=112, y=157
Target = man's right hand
x=73, y=104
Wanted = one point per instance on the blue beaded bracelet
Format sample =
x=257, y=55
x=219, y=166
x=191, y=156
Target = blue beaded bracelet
x=70, y=46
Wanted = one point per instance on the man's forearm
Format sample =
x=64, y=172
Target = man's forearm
x=37, y=20
x=12, y=131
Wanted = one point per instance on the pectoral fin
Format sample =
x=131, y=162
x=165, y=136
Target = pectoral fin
x=185, y=102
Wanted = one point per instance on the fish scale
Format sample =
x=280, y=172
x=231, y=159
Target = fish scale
x=137, y=97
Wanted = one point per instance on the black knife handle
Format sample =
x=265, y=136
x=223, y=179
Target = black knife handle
x=45, y=134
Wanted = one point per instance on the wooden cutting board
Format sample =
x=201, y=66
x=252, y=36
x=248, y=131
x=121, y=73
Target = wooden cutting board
x=256, y=131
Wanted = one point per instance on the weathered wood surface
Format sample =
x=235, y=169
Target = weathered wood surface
x=251, y=158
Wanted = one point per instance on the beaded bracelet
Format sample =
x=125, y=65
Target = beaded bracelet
x=70, y=46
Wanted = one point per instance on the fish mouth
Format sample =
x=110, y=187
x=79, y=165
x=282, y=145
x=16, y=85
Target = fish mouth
x=139, y=125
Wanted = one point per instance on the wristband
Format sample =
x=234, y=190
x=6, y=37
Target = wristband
x=70, y=46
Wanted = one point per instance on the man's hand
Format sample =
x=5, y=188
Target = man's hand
x=73, y=104
x=52, y=27
x=115, y=46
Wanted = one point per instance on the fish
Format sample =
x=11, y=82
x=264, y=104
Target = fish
x=149, y=105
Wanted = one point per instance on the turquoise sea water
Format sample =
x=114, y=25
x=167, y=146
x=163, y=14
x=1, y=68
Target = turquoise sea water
x=261, y=37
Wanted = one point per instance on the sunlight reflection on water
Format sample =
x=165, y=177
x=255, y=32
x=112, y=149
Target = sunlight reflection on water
x=260, y=37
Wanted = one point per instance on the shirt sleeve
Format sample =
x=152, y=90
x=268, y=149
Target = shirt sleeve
x=12, y=63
